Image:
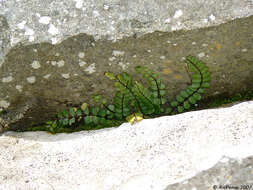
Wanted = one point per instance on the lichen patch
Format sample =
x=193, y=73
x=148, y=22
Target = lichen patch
x=82, y=63
x=117, y=53
x=202, y=54
x=91, y=68
x=7, y=79
x=19, y=88
x=35, y=64
x=60, y=63
x=53, y=30
x=178, y=13
x=212, y=17
x=29, y=31
x=218, y=46
x=65, y=75
x=47, y=76
x=21, y=25
x=44, y=20
x=81, y=55
x=31, y=79
x=79, y=4
x=167, y=71
x=4, y=104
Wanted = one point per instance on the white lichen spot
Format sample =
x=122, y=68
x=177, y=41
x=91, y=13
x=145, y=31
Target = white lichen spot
x=106, y=7
x=149, y=50
x=202, y=54
x=81, y=55
x=54, y=40
x=134, y=56
x=178, y=13
x=66, y=76
x=31, y=79
x=82, y=63
x=183, y=59
x=44, y=20
x=162, y=57
x=168, y=42
x=31, y=38
x=122, y=65
x=53, y=30
x=96, y=13
x=21, y=25
x=4, y=104
x=35, y=50
x=35, y=64
x=53, y=63
x=47, y=76
x=175, y=44
x=60, y=63
x=205, y=20
x=79, y=4
x=193, y=43
x=29, y=31
x=204, y=45
x=91, y=69
x=224, y=160
x=7, y=79
x=212, y=17
x=168, y=20
x=112, y=58
x=117, y=53
x=19, y=88
x=75, y=74
x=244, y=50
x=57, y=54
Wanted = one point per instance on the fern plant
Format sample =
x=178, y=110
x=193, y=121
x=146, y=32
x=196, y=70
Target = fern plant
x=133, y=101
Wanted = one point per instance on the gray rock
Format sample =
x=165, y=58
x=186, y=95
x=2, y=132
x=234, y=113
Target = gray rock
x=53, y=53
x=204, y=148
x=227, y=174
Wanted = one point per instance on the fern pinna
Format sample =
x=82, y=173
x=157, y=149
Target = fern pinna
x=133, y=101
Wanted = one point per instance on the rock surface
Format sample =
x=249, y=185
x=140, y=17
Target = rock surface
x=170, y=152
x=53, y=53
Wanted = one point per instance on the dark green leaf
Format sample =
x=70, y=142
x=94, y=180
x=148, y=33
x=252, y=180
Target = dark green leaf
x=79, y=112
x=179, y=98
x=102, y=113
x=65, y=121
x=60, y=115
x=162, y=86
x=95, y=110
x=205, y=85
x=192, y=100
x=197, y=96
x=162, y=92
x=174, y=103
x=180, y=109
x=71, y=121
x=186, y=105
x=111, y=107
x=168, y=110
x=184, y=94
x=72, y=112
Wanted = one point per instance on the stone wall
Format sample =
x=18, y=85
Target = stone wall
x=53, y=53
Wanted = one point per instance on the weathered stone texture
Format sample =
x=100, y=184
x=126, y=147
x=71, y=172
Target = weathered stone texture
x=55, y=54
x=149, y=155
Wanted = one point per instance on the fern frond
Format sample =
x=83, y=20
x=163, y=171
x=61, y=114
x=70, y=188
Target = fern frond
x=201, y=78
